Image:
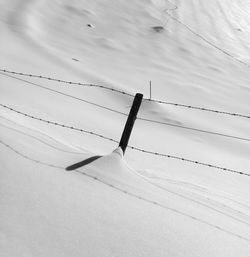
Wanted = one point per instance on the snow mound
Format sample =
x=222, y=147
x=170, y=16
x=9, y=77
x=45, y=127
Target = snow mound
x=106, y=208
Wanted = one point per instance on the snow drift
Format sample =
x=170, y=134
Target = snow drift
x=140, y=204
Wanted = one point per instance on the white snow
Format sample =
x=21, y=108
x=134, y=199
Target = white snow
x=139, y=204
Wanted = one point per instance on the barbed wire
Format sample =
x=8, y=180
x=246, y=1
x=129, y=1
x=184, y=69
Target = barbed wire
x=128, y=94
x=131, y=147
x=67, y=95
x=66, y=81
x=214, y=46
x=59, y=124
x=125, y=114
x=189, y=160
x=126, y=192
x=199, y=108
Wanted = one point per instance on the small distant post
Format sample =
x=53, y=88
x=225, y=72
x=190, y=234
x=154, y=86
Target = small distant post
x=150, y=90
x=130, y=122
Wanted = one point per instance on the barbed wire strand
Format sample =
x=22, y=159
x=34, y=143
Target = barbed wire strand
x=214, y=46
x=59, y=124
x=199, y=108
x=131, y=95
x=126, y=192
x=67, y=95
x=131, y=147
x=50, y=165
x=124, y=114
x=66, y=81
x=189, y=160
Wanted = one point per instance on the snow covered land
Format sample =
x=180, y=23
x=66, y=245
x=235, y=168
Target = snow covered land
x=183, y=187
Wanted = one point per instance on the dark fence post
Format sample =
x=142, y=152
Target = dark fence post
x=130, y=122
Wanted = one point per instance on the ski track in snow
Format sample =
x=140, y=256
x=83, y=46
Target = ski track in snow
x=210, y=203
x=190, y=187
x=141, y=198
x=197, y=198
x=200, y=57
x=38, y=139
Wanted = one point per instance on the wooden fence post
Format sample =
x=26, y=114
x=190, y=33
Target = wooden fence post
x=130, y=122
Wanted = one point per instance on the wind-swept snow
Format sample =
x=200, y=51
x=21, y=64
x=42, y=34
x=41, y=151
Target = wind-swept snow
x=141, y=204
x=105, y=209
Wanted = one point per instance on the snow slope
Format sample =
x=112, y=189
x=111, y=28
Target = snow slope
x=140, y=205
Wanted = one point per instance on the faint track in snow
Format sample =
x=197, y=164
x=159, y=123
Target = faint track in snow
x=67, y=82
x=198, y=188
x=203, y=38
x=138, y=197
x=191, y=187
x=29, y=158
x=41, y=133
x=230, y=26
x=199, y=202
x=39, y=140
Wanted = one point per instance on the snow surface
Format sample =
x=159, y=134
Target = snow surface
x=140, y=204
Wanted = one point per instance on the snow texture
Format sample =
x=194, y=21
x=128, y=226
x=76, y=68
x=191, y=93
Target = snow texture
x=137, y=205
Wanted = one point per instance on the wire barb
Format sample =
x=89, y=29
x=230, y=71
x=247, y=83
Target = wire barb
x=131, y=147
x=66, y=82
x=128, y=94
